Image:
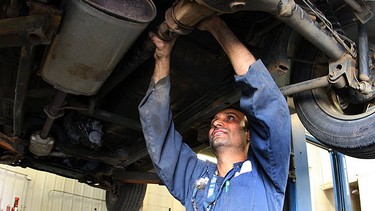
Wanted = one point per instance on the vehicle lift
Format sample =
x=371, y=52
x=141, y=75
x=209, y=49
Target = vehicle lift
x=299, y=183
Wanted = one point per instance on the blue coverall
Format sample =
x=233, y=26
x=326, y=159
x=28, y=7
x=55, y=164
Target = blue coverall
x=259, y=186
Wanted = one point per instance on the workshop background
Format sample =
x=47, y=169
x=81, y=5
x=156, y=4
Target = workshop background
x=44, y=191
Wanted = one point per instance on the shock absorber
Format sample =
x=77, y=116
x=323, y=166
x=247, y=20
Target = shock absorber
x=363, y=49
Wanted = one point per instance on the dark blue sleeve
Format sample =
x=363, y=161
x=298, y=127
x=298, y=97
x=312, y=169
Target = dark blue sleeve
x=175, y=163
x=269, y=119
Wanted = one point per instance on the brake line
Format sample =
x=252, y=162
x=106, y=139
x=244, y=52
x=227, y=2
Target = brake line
x=340, y=38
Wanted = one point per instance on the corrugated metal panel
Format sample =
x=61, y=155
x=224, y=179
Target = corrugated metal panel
x=42, y=191
x=12, y=184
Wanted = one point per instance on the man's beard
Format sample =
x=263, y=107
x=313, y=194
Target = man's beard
x=220, y=146
x=217, y=146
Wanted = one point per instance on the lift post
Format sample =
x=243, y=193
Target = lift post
x=299, y=187
x=340, y=182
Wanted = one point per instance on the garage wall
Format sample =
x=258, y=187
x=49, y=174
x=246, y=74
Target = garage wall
x=43, y=191
x=158, y=198
x=360, y=175
x=366, y=185
x=12, y=184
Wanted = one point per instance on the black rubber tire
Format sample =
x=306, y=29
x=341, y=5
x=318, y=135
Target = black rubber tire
x=350, y=135
x=128, y=197
x=353, y=138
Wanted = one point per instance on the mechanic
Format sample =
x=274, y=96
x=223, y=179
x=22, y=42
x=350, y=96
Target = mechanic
x=244, y=178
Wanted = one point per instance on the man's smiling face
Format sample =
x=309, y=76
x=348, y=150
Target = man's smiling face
x=228, y=131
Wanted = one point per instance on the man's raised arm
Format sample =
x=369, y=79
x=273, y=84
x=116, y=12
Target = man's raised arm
x=261, y=101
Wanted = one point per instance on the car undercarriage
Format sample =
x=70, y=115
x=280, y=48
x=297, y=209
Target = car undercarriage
x=73, y=73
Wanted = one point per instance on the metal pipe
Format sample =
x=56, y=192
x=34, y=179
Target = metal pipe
x=53, y=112
x=305, y=86
x=50, y=195
x=363, y=52
x=300, y=21
x=23, y=75
x=353, y=4
x=293, y=15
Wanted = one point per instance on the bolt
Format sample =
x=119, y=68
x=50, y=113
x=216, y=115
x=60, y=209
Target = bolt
x=364, y=87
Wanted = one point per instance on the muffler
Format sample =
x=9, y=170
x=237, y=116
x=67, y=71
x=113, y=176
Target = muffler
x=93, y=37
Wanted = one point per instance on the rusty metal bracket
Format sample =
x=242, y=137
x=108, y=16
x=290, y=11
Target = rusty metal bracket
x=36, y=29
x=28, y=30
x=11, y=144
x=342, y=72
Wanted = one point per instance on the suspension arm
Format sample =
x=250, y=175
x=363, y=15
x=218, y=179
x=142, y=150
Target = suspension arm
x=305, y=86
